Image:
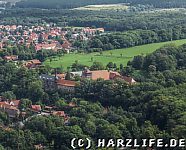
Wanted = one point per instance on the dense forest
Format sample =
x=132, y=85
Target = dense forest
x=110, y=20
x=63, y=4
x=132, y=38
x=73, y=3
x=161, y=3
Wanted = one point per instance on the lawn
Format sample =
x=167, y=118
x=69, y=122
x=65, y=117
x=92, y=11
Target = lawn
x=108, y=56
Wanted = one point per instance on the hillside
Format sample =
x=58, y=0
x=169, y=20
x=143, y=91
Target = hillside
x=74, y=3
x=63, y=3
x=108, y=56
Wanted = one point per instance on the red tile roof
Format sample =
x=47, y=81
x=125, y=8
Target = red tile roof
x=45, y=46
x=66, y=45
x=12, y=57
x=113, y=74
x=35, y=61
x=32, y=63
x=59, y=113
x=13, y=27
x=15, y=103
x=107, y=75
x=66, y=83
x=36, y=108
x=104, y=74
x=6, y=105
x=94, y=75
x=129, y=80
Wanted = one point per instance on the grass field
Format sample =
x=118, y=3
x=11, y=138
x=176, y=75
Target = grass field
x=108, y=56
x=103, y=7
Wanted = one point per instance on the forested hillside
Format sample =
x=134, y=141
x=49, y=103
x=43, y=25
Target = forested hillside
x=63, y=3
x=100, y=80
x=110, y=20
x=75, y=3
x=153, y=108
x=161, y=3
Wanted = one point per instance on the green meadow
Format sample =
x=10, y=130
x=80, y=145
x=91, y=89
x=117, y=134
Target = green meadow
x=118, y=56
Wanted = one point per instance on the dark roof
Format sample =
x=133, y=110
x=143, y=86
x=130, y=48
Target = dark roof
x=47, y=77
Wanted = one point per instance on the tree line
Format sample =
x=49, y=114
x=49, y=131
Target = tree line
x=73, y=4
x=131, y=38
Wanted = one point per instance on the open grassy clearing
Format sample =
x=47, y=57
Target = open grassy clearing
x=118, y=56
x=103, y=7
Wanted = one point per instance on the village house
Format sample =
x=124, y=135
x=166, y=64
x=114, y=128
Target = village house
x=12, y=111
x=13, y=27
x=31, y=64
x=33, y=36
x=36, y=108
x=45, y=36
x=51, y=46
x=88, y=31
x=61, y=114
x=11, y=58
x=74, y=74
x=66, y=85
x=106, y=75
x=66, y=46
x=15, y=103
x=129, y=80
x=94, y=75
x=58, y=81
x=26, y=35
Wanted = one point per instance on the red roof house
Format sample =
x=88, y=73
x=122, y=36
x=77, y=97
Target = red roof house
x=66, y=85
x=106, y=75
x=51, y=46
x=128, y=80
x=103, y=74
x=36, y=108
x=15, y=103
x=32, y=63
x=9, y=109
x=11, y=58
x=59, y=113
